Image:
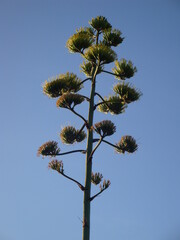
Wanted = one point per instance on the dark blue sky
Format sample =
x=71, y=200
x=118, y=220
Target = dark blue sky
x=142, y=202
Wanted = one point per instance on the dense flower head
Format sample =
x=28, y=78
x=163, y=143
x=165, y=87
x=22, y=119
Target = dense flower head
x=87, y=68
x=70, y=135
x=105, y=128
x=100, y=53
x=112, y=37
x=96, y=178
x=56, y=165
x=126, y=144
x=124, y=69
x=80, y=40
x=49, y=148
x=63, y=83
x=69, y=100
x=127, y=92
x=100, y=23
x=88, y=30
x=113, y=104
x=80, y=136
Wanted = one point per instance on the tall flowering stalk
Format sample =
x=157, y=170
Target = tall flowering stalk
x=94, y=44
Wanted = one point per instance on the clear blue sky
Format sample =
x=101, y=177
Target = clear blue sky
x=143, y=202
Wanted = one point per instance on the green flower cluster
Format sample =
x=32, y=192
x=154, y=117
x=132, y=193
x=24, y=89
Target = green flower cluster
x=87, y=68
x=80, y=40
x=69, y=100
x=105, y=128
x=126, y=144
x=127, y=93
x=124, y=69
x=112, y=38
x=100, y=24
x=70, y=135
x=49, y=148
x=100, y=54
x=64, y=83
x=113, y=104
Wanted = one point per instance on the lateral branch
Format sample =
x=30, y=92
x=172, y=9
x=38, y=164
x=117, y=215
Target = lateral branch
x=95, y=148
x=79, y=115
x=91, y=198
x=118, y=75
x=103, y=101
x=73, y=180
x=69, y=152
x=85, y=80
x=112, y=145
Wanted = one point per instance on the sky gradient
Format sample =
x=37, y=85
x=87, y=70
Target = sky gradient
x=142, y=202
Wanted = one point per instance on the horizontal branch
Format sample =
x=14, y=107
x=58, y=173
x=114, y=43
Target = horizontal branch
x=117, y=75
x=69, y=152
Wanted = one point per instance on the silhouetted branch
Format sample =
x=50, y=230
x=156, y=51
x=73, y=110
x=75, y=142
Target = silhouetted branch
x=83, y=126
x=91, y=198
x=110, y=144
x=72, y=179
x=99, y=96
x=79, y=115
x=111, y=73
x=96, y=139
x=95, y=148
x=69, y=152
x=85, y=80
x=103, y=101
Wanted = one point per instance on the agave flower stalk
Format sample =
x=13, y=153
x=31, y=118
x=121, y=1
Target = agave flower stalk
x=94, y=44
x=87, y=192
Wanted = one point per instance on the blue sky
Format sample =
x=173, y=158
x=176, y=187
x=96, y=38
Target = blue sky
x=143, y=199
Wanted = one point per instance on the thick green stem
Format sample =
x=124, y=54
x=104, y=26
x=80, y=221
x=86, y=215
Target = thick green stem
x=87, y=191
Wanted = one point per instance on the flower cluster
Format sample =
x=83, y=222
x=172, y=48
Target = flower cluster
x=80, y=41
x=100, y=53
x=112, y=38
x=56, y=165
x=87, y=68
x=49, y=149
x=96, y=178
x=105, y=128
x=127, y=93
x=63, y=83
x=69, y=100
x=124, y=69
x=113, y=104
x=100, y=23
x=70, y=135
x=126, y=144
x=105, y=185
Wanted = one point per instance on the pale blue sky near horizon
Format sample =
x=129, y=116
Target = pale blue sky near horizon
x=143, y=201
